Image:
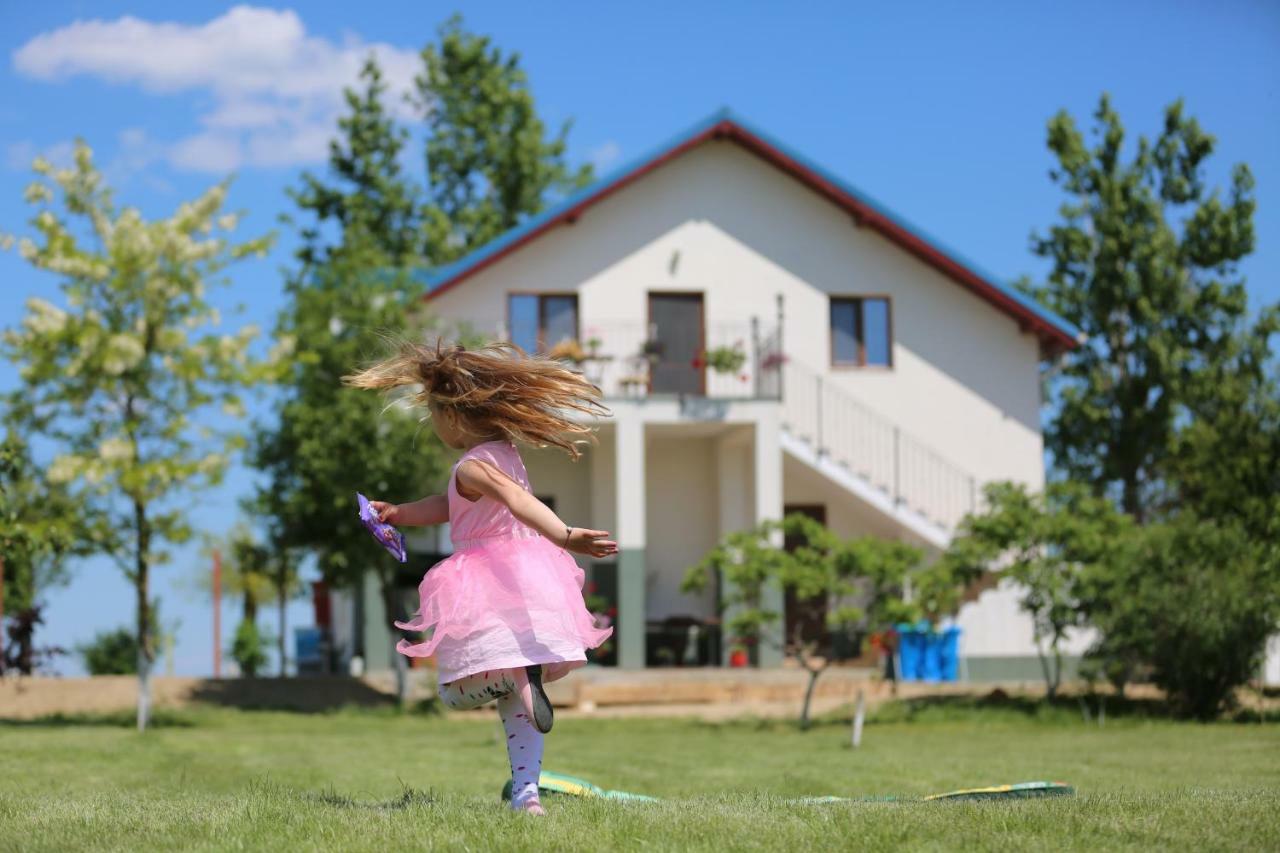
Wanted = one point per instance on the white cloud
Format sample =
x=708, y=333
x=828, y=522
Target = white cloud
x=276, y=90
x=19, y=155
x=602, y=157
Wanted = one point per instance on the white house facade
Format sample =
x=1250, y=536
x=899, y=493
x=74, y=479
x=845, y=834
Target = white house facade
x=768, y=340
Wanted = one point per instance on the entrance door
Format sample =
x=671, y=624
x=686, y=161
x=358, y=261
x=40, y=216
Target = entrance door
x=805, y=618
x=676, y=343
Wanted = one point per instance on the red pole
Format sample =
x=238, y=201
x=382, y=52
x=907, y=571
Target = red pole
x=217, y=614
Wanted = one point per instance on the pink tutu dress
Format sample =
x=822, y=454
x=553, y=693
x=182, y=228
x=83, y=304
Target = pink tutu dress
x=506, y=597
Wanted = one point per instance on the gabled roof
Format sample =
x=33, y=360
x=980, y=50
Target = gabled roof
x=1055, y=333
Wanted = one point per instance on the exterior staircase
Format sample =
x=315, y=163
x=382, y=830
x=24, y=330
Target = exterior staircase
x=869, y=456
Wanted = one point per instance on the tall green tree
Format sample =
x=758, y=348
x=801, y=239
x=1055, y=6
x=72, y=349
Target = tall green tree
x=1226, y=460
x=365, y=199
x=1145, y=262
x=330, y=441
x=490, y=160
x=126, y=380
x=353, y=289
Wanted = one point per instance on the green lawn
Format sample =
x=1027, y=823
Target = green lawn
x=373, y=780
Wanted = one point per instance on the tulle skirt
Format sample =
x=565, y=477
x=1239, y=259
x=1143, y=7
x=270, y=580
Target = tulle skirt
x=504, y=602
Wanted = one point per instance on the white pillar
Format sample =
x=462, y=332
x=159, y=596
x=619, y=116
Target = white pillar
x=629, y=495
x=768, y=502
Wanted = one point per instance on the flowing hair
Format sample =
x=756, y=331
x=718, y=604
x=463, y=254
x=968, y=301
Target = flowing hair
x=494, y=389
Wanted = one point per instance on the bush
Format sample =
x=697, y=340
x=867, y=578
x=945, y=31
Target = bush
x=1194, y=603
x=249, y=648
x=111, y=653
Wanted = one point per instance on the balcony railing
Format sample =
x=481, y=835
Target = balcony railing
x=876, y=450
x=724, y=360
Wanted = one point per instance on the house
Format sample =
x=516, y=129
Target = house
x=769, y=340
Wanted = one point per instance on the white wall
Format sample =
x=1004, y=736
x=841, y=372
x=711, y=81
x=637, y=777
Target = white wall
x=995, y=626
x=846, y=515
x=682, y=515
x=720, y=221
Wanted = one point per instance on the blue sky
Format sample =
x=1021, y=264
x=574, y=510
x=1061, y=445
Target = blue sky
x=936, y=109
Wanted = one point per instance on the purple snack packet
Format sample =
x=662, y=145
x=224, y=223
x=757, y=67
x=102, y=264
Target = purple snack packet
x=391, y=539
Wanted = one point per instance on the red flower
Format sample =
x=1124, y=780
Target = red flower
x=612, y=612
x=698, y=363
x=592, y=587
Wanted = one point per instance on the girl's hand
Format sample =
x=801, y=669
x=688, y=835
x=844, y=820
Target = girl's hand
x=387, y=513
x=592, y=543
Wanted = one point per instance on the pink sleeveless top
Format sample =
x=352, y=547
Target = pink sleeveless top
x=485, y=521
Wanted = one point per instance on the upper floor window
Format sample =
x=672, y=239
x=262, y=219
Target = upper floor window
x=861, y=334
x=539, y=321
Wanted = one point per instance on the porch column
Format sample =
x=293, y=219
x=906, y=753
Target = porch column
x=768, y=501
x=629, y=497
x=733, y=475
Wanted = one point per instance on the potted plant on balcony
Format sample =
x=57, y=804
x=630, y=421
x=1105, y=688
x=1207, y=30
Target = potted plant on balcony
x=773, y=360
x=726, y=360
x=651, y=350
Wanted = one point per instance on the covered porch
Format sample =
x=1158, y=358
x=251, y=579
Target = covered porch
x=668, y=477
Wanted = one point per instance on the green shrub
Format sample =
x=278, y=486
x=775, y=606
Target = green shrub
x=249, y=648
x=111, y=653
x=1193, y=604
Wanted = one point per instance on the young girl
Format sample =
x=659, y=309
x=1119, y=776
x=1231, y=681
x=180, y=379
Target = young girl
x=505, y=611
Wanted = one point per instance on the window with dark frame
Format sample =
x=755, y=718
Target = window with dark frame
x=538, y=321
x=861, y=332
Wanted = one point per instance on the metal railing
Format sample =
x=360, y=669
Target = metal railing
x=876, y=450
x=727, y=360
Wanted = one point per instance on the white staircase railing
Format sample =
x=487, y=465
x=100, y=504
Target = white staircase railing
x=873, y=449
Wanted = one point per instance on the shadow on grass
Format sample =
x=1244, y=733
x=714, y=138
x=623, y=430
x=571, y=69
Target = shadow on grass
x=305, y=695
x=999, y=704
x=992, y=707
x=117, y=719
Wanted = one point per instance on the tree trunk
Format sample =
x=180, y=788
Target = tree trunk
x=1050, y=688
x=281, y=606
x=808, y=691
x=399, y=664
x=142, y=587
x=1131, y=497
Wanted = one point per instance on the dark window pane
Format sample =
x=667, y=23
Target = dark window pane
x=844, y=332
x=875, y=331
x=523, y=316
x=560, y=316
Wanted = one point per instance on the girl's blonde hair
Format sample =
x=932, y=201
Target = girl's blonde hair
x=497, y=389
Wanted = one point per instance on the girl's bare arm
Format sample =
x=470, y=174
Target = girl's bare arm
x=479, y=478
x=433, y=509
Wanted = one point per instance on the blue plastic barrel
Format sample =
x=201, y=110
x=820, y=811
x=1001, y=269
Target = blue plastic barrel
x=910, y=652
x=928, y=655
x=949, y=654
x=931, y=660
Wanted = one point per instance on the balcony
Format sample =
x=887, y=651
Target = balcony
x=635, y=360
